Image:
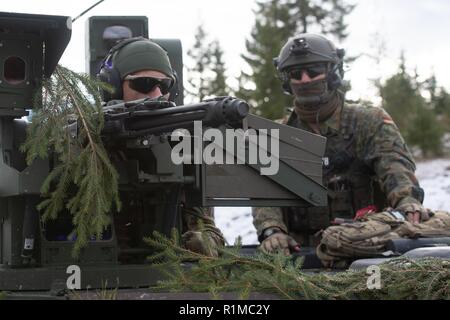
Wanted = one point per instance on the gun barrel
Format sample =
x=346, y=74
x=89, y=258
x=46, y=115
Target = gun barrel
x=405, y=245
x=212, y=113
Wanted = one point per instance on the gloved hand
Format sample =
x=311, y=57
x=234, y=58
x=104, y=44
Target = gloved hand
x=414, y=212
x=200, y=243
x=279, y=241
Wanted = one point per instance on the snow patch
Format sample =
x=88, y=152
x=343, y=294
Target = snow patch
x=434, y=178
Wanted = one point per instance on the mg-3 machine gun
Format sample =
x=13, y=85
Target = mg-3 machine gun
x=36, y=256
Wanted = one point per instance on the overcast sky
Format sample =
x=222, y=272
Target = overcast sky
x=418, y=27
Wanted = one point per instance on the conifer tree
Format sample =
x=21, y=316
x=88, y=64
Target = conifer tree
x=415, y=117
x=201, y=57
x=208, y=75
x=442, y=103
x=218, y=85
x=400, y=97
x=442, y=108
x=327, y=16
x=273, y=26
x=426, y=132
x=431, y=86
x=439, y=99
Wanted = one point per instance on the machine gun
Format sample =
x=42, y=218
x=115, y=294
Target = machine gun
x=150, y=116
x=151, y=186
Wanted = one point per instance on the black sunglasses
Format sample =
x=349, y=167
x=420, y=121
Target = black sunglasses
x=147, y=84
x=312, y=71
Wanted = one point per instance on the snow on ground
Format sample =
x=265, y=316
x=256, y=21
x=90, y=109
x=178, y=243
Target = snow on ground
x=235, y=222
x=433, y=175
x=434, y=178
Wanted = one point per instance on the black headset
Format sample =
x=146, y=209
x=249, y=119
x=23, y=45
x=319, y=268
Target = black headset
x=110, y=75
x=336, y=74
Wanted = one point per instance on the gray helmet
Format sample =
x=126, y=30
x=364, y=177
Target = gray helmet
x=307, y=48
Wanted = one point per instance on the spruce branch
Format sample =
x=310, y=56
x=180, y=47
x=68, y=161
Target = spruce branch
x=401, y=278
x=83, y=181
x=75, y=101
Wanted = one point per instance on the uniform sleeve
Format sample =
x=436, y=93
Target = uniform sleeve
x=201, y=219
x=268, y=217
x=385, y=151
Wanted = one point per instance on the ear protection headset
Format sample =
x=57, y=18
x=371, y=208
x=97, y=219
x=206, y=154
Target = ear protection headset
x=336, y=75
x=111, y=75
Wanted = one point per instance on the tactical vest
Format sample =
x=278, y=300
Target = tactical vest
x=351, y=183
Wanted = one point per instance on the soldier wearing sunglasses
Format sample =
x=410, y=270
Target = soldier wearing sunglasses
x=138, y=68
x=367, y=166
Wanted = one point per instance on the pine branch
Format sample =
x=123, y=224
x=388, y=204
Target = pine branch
x=83, y=181
x=279, y=275
x=80, y=113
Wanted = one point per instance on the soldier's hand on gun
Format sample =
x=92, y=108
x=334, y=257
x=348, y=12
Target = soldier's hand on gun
x=280, y=241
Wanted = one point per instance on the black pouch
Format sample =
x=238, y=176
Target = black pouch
x=309, y=220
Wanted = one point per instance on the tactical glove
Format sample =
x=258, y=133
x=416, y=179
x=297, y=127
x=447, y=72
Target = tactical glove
x=203, y=243
x=279, y=241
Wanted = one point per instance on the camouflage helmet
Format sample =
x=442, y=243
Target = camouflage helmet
x=307, y=48
x=142, y=55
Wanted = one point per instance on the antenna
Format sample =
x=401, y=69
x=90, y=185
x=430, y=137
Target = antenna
x=87, y=10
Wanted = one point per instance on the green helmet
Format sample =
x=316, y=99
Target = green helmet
x=132, y=55
x=142, y=55
x=307, y=48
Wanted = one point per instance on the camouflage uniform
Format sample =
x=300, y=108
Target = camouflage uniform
x=200, y=233
x=363, y=146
